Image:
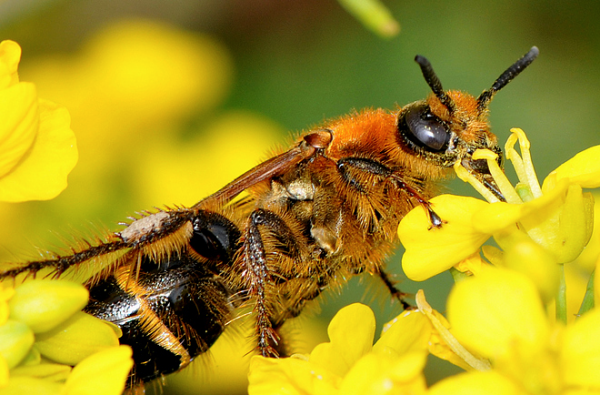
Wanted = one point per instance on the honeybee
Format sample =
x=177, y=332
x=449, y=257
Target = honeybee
x=312, y=216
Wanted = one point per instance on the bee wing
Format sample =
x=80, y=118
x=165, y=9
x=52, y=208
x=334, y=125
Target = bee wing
x=271, y=168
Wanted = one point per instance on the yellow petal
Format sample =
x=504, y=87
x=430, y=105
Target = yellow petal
x=103, y=373
x=42, y=173
x=289, y=376
x=443, y=344
x=43, y=304
x=75, y=339
x=19, y=124
x=4, y=373
x=377, y=374
x=16, y=340
x=10, y=55
x=351, y=332
x=31, y=385
x=408, y=332
x=582, y=169
x=580, y=352
x=430, y=251
x=496, y=312
x=527, y=257
x=597, y=284
x=475, y=383
x=576, y=223
x=499, y=216
x=5, y=294
x=46, y=371
x=565, y=225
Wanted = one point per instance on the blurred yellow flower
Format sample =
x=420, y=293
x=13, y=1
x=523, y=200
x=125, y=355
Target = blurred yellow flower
x=5, y=294
x=233, y=143
x=37, y=146
x=349, y=363
x=556, y=216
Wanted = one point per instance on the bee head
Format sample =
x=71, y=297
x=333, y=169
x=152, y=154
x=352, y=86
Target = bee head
x=449, y=126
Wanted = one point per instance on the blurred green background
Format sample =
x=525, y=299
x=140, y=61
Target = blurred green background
x=171, y=100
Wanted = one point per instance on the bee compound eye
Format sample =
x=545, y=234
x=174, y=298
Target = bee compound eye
x=425, y=129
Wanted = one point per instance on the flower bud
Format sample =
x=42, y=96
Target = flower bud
x=16, y=340
x=75, y=339
x=43, y=304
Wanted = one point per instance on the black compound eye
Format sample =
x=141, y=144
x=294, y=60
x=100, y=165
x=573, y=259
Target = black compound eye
x=424, y=129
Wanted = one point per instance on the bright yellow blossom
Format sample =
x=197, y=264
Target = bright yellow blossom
x=349, y=363
x=557, y=216
x=46, y=334
x=37, y=147
x=500, y=316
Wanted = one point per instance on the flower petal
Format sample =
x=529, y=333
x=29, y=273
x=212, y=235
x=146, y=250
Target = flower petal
x=16, y=340
x=430, y=251
x=580, y=352
x=42, y=174
x=19, y=124
x=380, y=374
x=10, y=55
x=527, y=257
x=351, y=332
x=31, y=385
x=497, y=311
x=443, y=344
x=582, y=169
x=289, y=376
x=408, y=332
x=103, y=373
x=475, y=383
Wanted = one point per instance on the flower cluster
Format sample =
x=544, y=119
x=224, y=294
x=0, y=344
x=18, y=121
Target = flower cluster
x=44, y=333
x=500, y=326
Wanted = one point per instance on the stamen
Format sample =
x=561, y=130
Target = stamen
x=522, y=163
x=466, y=176
x=498, y=175
x=448, y=338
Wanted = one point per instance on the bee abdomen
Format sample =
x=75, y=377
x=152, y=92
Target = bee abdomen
x=173, y=312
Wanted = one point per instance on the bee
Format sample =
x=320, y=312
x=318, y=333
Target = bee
x=311, y=217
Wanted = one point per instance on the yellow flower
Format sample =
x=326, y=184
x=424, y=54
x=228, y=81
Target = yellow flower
x=500, y=315
x=557, y=216
x=37, y=147
x=349, y=363
x=46, y=334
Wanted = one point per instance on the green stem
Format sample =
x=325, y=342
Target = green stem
x=588, y=299
x=561, y=298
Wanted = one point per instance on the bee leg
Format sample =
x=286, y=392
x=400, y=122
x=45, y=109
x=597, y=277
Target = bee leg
x=434, y=218
x=61, y=263
x=260, y=277
x=394, y=291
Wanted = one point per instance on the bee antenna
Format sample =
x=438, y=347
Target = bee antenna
x=484, y=99
x=434, y=82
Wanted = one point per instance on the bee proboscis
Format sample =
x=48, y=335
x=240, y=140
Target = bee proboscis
x=314, y=215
